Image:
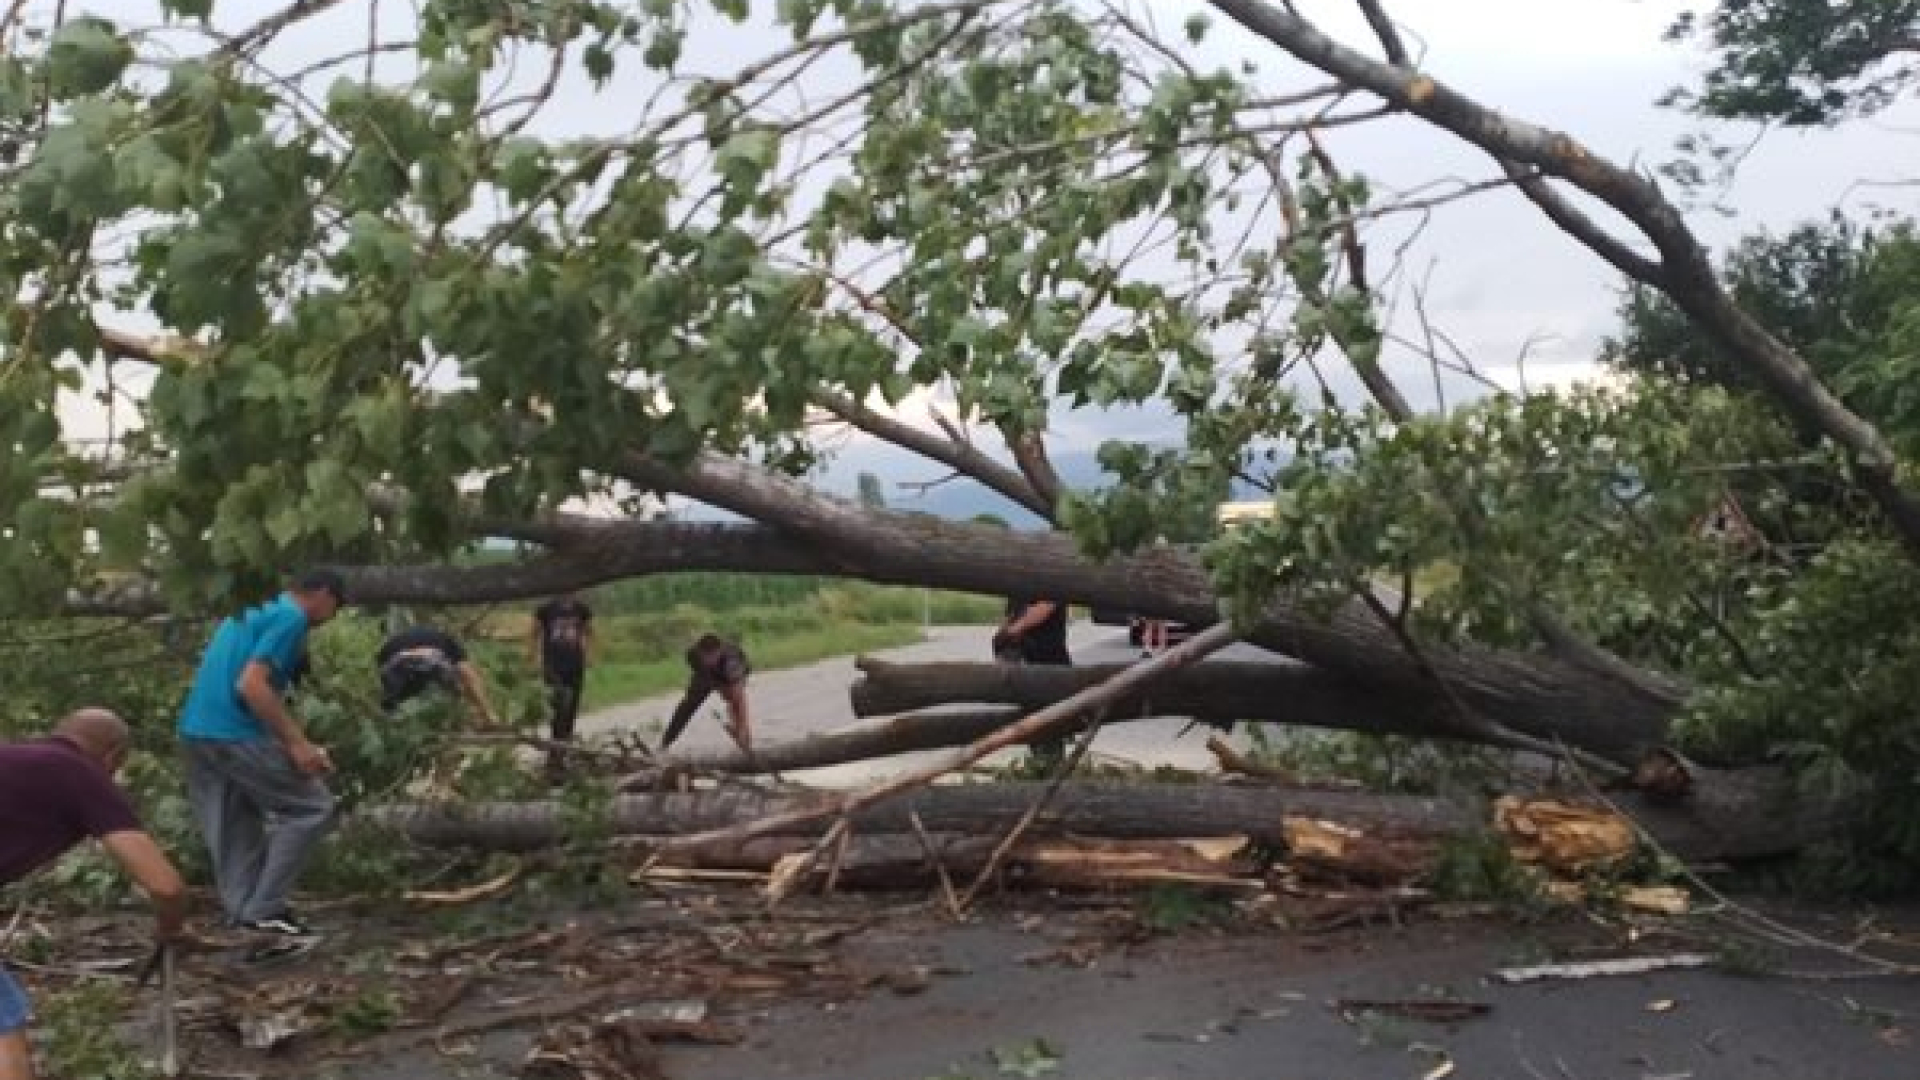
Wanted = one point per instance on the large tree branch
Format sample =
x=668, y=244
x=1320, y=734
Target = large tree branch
x=1687, y=271
x=960, y=456
x=592, y=555
x=1514, y=690
x=1227, y=691
x=1030, y=453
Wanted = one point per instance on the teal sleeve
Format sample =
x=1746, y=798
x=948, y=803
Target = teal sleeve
x=278, y=637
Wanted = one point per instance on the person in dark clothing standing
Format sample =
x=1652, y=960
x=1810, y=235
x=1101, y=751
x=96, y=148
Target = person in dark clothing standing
x=423, y=658
x=717, y=664
x=562, y=645
x=1035, y=632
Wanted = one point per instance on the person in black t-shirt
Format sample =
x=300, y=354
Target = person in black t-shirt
x=562, y=644
x=422, y=658
x=1035, y=632
x=717, y=664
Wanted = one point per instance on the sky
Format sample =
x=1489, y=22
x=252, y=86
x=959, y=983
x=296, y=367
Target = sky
x=1525, y=302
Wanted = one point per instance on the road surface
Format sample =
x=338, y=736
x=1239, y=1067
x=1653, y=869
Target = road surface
x=798, y=701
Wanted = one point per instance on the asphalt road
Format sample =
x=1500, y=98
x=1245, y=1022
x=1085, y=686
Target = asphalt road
x=1261, y=1007
x=797, y=701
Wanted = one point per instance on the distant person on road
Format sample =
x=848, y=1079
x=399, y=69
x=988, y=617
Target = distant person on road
x=256, y=781
x=1153, y=637
x=55, y=793
x=423, y=658
x=562, y=642
x=716, y=665
x=1035, y=632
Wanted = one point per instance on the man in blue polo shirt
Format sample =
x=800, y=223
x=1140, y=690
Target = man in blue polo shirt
x=254, y=778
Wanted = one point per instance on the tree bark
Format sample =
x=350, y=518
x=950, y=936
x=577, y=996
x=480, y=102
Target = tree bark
x=1733, y=815
x=901, y=860
x=1129, y=811
x=1221, y=691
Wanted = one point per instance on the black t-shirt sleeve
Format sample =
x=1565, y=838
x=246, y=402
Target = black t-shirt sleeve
x=455, y=651
x=731, y=668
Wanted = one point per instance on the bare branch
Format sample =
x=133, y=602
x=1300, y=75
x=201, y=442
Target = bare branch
x=1689, y=277
x=260, y=33
x=961, y=457
x=1389, y=35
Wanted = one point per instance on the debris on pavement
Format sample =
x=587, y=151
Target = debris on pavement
x=1589, y=969
x=1431, y=1010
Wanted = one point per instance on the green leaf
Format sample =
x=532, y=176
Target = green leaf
x=523, y=168
x=87, y=55
x=597, y=61
x=286, y=526
x=1196, y=27
x=123, y=536
x=799, y=14
x=187, y=9
x=663, y=48
x=455, y=82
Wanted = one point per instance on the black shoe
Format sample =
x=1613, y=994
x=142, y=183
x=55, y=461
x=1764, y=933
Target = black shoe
x=273, y=952
x=283, y=925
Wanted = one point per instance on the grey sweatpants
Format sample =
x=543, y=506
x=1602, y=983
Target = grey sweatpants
x=261, y=818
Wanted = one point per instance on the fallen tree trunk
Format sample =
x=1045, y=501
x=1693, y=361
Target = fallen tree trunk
x=1142, y=811
x=1223, y=691
x=1213, y=691
x=1736, y=815
x=896, y=860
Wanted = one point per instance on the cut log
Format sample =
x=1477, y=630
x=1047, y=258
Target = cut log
x=1128, y=811
x=1225, y=691
x=1378, y=857
x=1736, y=815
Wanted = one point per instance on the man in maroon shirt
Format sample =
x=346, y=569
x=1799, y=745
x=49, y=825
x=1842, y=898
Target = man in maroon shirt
x=55, y=793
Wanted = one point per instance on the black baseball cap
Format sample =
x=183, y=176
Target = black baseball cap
x=323, y=580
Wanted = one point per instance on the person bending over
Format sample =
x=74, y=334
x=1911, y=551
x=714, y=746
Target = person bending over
x=54, y=793
x=423, y=658
x=716, y=665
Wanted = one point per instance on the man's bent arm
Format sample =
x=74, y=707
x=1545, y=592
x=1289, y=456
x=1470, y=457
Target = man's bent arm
x=147, y=865
x=735, y=695
x=1035, y=614
x=256, y=689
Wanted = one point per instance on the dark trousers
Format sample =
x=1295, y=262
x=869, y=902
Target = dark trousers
x=563, y=698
